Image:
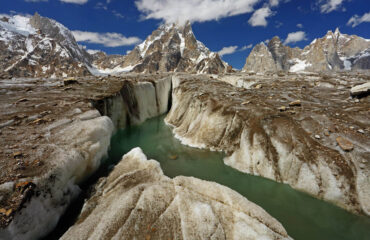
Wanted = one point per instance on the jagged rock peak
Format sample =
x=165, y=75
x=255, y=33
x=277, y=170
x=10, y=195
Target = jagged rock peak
x=260, y=60
x=39, y=47
x=173, y=48
x=333, y=52
x=275, y=39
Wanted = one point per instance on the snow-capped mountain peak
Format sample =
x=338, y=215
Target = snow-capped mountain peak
x=34, y=46
x=333, y=52
x=171, y=48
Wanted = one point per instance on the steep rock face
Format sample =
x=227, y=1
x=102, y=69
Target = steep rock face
x=261, y=140
x=260, y=60
x=333, y=52
x=173, y=48
x=137, y=101
x=361, y=60
x=108, y=64
x=282, y=54
x=137, y=201
x=322, y=54
x=39, y=47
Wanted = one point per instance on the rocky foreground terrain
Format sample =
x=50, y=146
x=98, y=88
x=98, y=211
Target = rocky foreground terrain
x=178, y=208
x=304, y=130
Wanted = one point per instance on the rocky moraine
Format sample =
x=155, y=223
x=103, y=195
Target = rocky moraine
x=291, y=116
x=55, y=133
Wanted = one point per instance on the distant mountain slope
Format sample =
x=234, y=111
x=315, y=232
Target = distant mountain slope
x=170, y=48
x=334, y=52
x=39, y=47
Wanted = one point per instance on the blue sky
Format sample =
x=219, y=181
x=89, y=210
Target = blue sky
x=232, y=25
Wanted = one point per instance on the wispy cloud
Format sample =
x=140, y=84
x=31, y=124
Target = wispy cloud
x=66, y=1
x=105, y=39
x=193, y=10
x=232, y=49
x=327, y=6
x=36, y=0
x=299, y=25
x=227, y=50
x=75, y=1
x=246, y=47
x=295, y=37
x=259, y=17
x=357, y=20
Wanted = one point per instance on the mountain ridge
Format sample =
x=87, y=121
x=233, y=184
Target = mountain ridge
x=37, y=46
x=170, y=48
x=333, y=52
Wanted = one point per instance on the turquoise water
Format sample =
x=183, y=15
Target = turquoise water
x=303, y=216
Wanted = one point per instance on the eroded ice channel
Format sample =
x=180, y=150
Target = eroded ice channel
x=303, y=216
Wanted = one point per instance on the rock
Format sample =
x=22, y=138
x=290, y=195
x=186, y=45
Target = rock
x=21, y=100
x=361, y=131
x=258, y=86
x=6, y=212
x=345, y=144
x=173, y=157
x=137, y=201
x=91, y=114
x=327, y=133
x=69, y=81
x=282, y=108
x=17, y=155
x=317, y=137
x=361, y=90
x=260, y=60
x=295, y=103
x=7, y=123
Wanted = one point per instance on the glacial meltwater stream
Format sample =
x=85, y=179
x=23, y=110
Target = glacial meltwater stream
x=303, y=216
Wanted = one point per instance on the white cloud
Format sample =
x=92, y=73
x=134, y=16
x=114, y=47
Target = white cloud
x=227, y=50
x=36, y=0
x=105, y=39
x=357, y=20
x=75, y=1
x=92, y=51
x=299, y=25
x=246, y=47
x=117, y=14
x=278, y=24
x=193, y=10
x=259, y=17
x=274, y=3
x=232, y=49
x=295, y=37
x=327, y=6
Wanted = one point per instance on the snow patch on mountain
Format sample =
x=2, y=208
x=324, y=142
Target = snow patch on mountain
x=19, y=24
x=299, y=65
